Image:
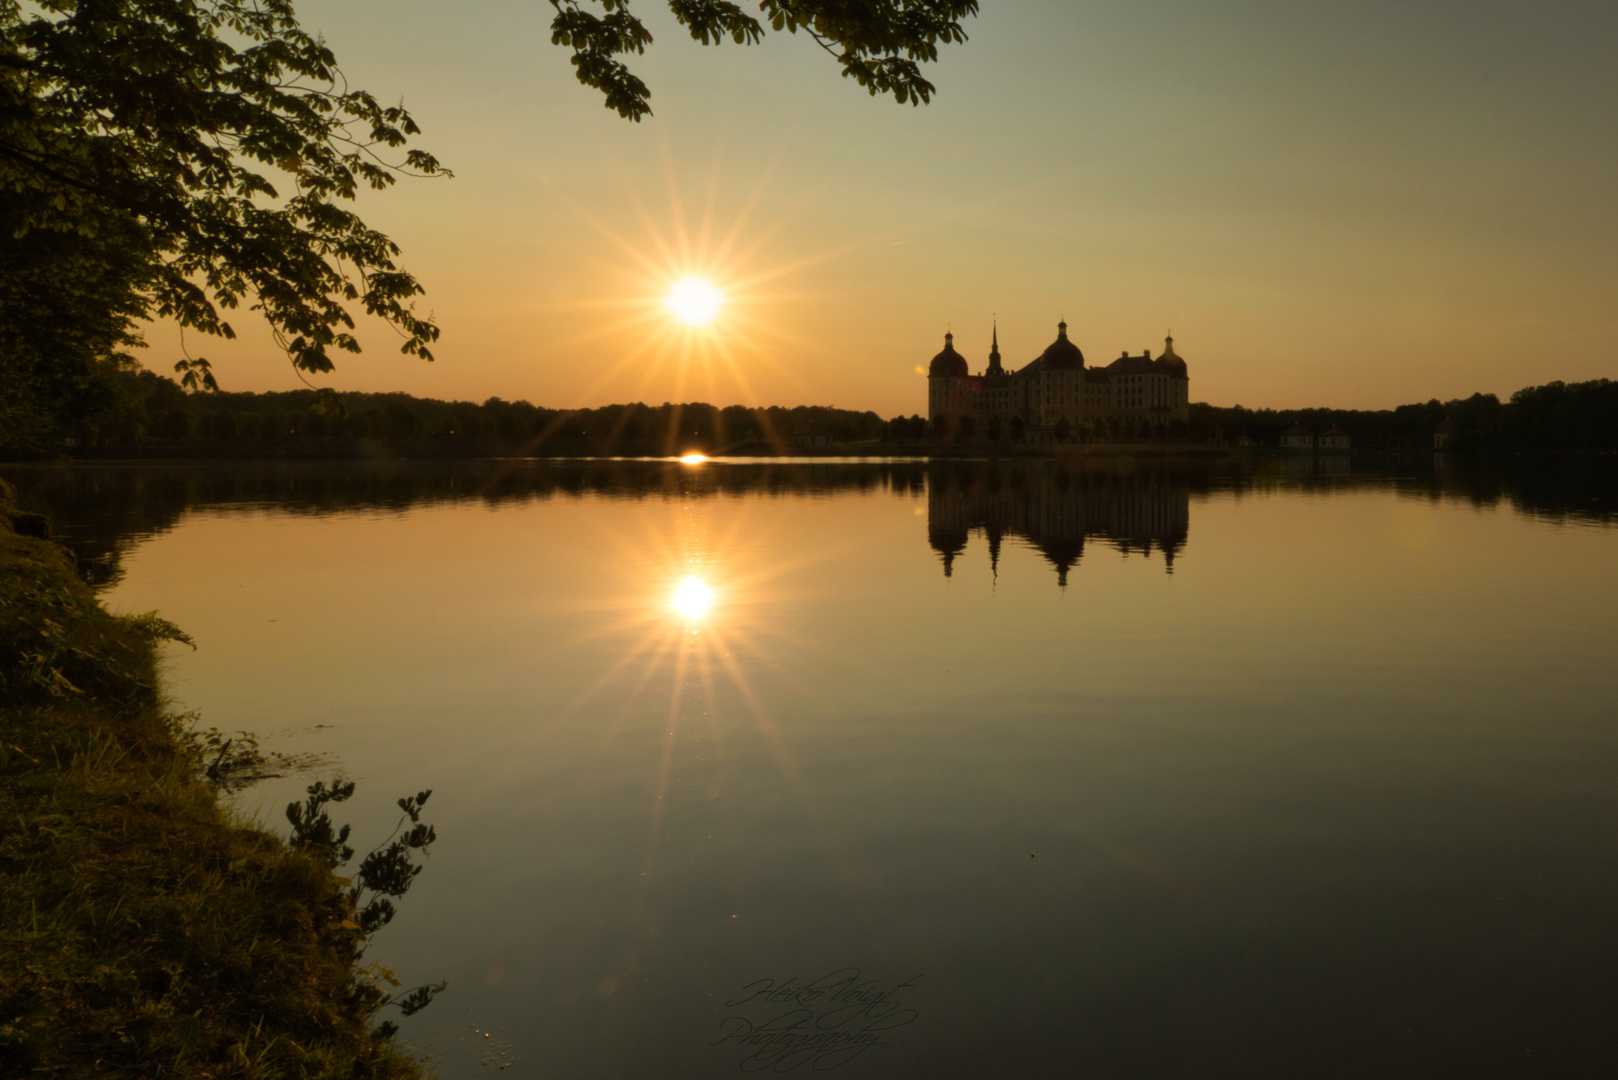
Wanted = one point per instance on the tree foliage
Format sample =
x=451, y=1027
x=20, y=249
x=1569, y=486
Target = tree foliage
x=178, y=159
x=219, y=170
x=880, y=44
x=388, y=870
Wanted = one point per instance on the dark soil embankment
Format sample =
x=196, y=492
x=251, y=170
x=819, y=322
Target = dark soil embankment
x=143, y=932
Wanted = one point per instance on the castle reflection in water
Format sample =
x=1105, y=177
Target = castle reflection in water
x=1056, y=510
x=1137, y=505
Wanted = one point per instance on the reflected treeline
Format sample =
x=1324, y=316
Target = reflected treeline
x=1056, y=508
x=1134, y=504
x=102, y=511
x=1579, y=488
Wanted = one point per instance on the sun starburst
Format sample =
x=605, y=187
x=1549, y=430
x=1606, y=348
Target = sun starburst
x=726, y=292
x=695, y=301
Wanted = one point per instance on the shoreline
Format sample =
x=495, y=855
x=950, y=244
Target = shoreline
x=382, y=455
x=144, y=928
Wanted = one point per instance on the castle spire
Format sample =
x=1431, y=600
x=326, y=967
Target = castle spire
x=994, y=353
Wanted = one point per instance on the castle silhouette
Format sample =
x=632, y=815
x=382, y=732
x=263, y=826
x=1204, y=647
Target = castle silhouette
x=1055, y=397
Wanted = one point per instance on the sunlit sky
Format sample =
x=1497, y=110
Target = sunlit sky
x=1355, y=204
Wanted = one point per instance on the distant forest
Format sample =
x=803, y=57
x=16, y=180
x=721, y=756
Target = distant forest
x=141, y=414
x=153, y=416
x=1556, y=416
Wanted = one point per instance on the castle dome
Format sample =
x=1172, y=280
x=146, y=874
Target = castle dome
x=949, y=362
x=1061, y=353
x=1171, y=359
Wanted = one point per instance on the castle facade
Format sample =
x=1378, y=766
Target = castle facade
x=1056, y=397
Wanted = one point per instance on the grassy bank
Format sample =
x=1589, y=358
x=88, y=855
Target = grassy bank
x=143, y=931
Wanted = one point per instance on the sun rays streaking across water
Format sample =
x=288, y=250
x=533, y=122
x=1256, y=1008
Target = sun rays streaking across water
x=703, y=614
x=697, y=636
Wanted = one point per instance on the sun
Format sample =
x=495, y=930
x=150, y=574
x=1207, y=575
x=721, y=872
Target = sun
x=695, y=301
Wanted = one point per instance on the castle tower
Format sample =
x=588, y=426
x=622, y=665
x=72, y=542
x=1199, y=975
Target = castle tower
x=945, y=376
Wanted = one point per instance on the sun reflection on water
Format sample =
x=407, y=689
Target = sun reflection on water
x=687, y=611
x=689, y=624
x=693, y=598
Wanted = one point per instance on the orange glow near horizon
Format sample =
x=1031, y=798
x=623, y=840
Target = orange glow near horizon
x=727, y=279
x=1318, y=255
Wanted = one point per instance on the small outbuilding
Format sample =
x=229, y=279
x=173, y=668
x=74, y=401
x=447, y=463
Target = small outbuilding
x=1333, y=438
x=1297, y=437
x=1443, y=433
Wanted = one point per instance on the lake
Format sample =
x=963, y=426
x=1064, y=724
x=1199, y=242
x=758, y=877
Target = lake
x=1271, y=767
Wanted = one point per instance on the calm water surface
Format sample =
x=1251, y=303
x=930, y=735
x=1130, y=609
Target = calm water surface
x=1289, y=769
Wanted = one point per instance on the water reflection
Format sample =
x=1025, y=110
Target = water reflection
x=1355, y=759
x=692, y=598
x=100, y=511
x=1056, y=509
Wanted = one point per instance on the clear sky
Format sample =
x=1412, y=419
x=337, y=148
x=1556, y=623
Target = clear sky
x=1355, y=203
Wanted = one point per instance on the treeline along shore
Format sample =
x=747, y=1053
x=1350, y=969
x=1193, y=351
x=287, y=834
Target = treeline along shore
x=1555, y=416
x=143, y=415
